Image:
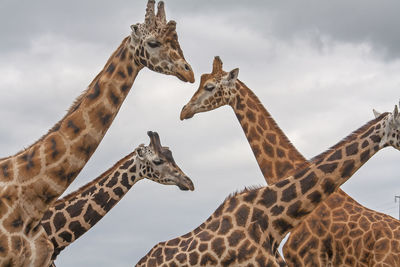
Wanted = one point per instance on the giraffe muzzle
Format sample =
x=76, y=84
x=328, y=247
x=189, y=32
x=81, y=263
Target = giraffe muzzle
x=184, y=72
x=185, y=184
x=186, y=113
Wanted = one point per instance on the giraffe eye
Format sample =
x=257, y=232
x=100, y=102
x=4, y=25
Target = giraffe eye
x=209, y=87
x=154, y=44
x=158, y=161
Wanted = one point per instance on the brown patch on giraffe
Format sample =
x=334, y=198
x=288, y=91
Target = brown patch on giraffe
x=268, y=197
x=364, y=156
x=245, y=251
x=253, y=135
x=14, y=221
x=73, y=126
x=282, y=168
x=84, y=147
x=328, y=167
x=262, y=123
x=308, y=182
x=6, y=170
x=289, y=193
x=281, y=153
x=54, y=148
x=208, y=259
x=268, y=149
x=299, y=237
x=28, y=164
x=282, y=226
x=226, y=226
x=352, y=149
x=9, y=195
x=251, y=116
x=241, y=215
x=337, y=155
x=314, y=197
x=235, y=237
x=101, y=117
x=347, y=168
x=218, y=246
x=4, y=246
x=193, y=258
x=251, y=104
x=296, y=210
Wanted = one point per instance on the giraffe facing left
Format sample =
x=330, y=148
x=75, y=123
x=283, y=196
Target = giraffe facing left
x=32, y=179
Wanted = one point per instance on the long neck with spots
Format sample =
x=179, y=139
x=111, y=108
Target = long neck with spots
x=44, y=170
x=293, y=198
x=249, y=226
x=73, y=215
x=276, y=155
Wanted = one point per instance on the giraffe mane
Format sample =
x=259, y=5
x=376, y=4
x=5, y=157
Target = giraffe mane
x=246, y=189
x=348, y=138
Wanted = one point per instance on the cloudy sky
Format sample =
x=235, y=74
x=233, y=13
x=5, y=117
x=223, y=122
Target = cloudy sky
x=318, y=67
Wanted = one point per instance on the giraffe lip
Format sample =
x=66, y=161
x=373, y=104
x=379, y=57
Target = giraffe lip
x=186, y=184
x=186, y=113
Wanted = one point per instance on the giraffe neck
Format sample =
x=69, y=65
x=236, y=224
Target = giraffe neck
x=276, y=155
x=298, y=195
x=74, y=214
x=39, y=174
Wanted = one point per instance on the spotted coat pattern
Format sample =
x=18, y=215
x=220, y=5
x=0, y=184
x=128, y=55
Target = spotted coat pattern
x=73, y=215
x=31, y=180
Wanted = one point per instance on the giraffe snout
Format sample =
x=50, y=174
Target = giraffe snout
x=186, y=112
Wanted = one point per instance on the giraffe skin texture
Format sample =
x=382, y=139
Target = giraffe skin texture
x=316, y=241
x=32, y=179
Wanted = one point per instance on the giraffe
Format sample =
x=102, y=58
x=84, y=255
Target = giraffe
x=248, y=227
x=256, y=220
x=32, y=179
x=316, y=241
x=75, y=214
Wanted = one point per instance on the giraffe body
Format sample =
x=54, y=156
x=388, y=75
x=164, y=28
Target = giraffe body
x=248, y=227
x=31, y=180
x=316, y=241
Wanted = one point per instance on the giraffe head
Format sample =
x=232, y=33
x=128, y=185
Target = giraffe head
x=216, y=89
x=157, y=164
x=155, y=44
x=391, y=128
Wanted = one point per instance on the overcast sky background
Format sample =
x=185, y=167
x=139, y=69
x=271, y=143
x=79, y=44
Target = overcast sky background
x=319, y=68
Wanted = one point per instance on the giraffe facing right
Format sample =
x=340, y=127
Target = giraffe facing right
x=338, y=226
x=75, y=214
x=32, y=179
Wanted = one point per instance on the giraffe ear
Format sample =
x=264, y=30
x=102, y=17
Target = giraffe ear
x=376, y=113
x=233, y=74
x=135, y=33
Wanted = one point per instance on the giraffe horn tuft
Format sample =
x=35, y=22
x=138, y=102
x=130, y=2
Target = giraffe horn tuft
x=149, y=17
x=217, y=65
x=161, y=12
x=155, y=141
x=395, y=112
